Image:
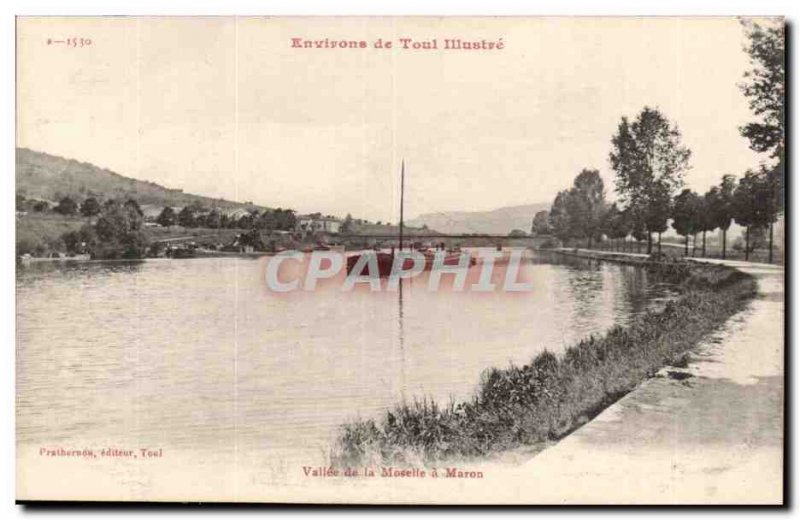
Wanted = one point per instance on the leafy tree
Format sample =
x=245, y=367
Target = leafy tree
x=649, y=160
x=285, y=219
x=186, y=217
x=248, y=221
x=586, y=204
x=90, y=207
x=720, y=207
x=119, y=233
x=559, y=219
x=541, y=223
x=67, y=206
x=686, y=215
x=81, y=241
x=764, y=88
x=167, y=217
x=20, y=202
x=751, y=204
x=214, y=219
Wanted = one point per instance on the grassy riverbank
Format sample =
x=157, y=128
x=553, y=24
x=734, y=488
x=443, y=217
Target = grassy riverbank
x=553, y=395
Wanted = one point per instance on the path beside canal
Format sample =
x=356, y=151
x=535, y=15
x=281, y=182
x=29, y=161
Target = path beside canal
x=711, y=432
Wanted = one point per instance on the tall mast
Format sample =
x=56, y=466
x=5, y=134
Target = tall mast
x=402, y=190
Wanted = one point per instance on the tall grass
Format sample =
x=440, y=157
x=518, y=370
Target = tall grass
x=552, y=395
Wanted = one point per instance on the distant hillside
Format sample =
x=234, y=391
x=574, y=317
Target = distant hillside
x=498, y=221
x=49, y=177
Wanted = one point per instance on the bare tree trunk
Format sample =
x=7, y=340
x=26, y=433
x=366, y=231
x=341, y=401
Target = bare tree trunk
x=747, y=244
x=659, y=243
x=694, y=245
x=724, y=239
x=704, y=243
x=770, y=242
x=686, y=246
x=649, y=243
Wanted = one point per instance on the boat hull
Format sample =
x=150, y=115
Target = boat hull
x=385, y=261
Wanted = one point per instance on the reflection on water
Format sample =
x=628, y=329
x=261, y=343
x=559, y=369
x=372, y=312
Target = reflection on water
x=194, y=355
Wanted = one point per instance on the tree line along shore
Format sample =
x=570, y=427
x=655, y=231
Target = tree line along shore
x=649, y=160
x=118, y=228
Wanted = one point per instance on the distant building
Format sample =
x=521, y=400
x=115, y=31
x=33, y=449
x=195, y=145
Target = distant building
x=316, y=223
x=238, y=213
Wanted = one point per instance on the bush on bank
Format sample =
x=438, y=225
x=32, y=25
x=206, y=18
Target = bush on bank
x=553, y=395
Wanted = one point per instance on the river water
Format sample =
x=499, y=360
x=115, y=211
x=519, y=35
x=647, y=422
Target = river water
x=195, y=357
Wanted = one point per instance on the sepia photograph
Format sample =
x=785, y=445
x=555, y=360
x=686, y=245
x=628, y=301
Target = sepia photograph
x=406, y=260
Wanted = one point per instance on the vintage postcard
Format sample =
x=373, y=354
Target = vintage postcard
x=400, y=260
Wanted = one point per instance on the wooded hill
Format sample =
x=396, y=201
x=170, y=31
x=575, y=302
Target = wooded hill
x=49, y=177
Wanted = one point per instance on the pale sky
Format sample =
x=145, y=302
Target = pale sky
x=225, y=107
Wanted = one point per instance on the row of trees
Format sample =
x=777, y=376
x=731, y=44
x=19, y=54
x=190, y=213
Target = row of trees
x=649, y=196
x=195, y=215
x=66, y=206
x=650, y=161
x=118, y=230
x=190, y=216
x=753, y=202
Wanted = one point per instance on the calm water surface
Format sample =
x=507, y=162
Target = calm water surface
x=196, y=357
